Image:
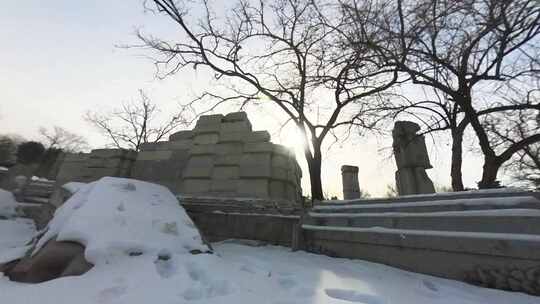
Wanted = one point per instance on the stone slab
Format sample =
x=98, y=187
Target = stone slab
x=182, y=135
x=154, y=155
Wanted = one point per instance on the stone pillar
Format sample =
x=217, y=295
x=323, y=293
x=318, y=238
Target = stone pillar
x=349, y=177
x=412, y=159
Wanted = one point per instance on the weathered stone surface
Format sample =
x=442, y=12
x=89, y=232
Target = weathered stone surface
x=411, y=159
x=236, y=116
x=198, y=186
x=181, y=135
x=206, y=139
x=224, y=185
x=226, y=172
x=349, y=177
x=254, y=187
x=199, y=166
x=256, y=165
x=238, y=126
x=213, y=157
x=50, y=262
x=409, y=148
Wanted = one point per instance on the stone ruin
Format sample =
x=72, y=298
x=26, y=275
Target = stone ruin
x=351, y=187
x=412, y=159
x=221, y=156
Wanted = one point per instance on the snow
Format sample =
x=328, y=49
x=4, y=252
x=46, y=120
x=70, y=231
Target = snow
x=3, y=168
x=73, y=186
x=492, y=201
x=243, y=274
x=115, y=216
x=14, y=235
x=466, y=213
x=119, y=216
x=39, y=179
x=467, y=193
x=7, y=204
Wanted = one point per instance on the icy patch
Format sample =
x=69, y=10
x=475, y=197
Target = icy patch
x=14, y=235
x=352, y=296
x=7, y=204
x=114, y=216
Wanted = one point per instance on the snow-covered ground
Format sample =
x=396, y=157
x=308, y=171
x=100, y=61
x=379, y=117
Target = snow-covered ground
x=243, y=274
x=116, y=218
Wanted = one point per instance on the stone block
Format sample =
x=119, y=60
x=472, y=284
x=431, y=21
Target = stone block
x=236, y=116
x=280, y=149
x=202, y=129
x=106, y=153
x=253, y=188
x=280, y=174
x=282, y=161
x=199, y=167
x=196, y=186
x=97, y=173
x=229, y=148
x=181, y=144
x=181, y=135
x=224, y=185
x=154, y=155
x=215, y=119
x=256, y=165
x=203, y=150
x=206, y=138
x=277, y=189
x=238, y=126
x=225, y=172
x=76, y=157
x=258, y=136
x=258, y=148
x=148, y=147
x=241, y=137
x=228, y=160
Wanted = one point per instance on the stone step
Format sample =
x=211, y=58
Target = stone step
x=520, y=221
x=499, y=260
x=489, y=203
x=36, y=199
x=37, y=192
x=522, y=246
x=474, y=194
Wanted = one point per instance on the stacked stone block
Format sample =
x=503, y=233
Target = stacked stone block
x=87, y=167
x=221, y=156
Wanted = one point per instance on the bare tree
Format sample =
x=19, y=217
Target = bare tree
x=60, y=138
x=286, y=53
x=464, y=49
x=134, y=123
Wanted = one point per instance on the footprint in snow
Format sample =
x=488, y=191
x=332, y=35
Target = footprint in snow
x=352, y=296
x=108, y=294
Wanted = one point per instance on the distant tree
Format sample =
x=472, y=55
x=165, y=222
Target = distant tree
x=30, y=152
x=60, y=138
x=8, y=149
x=286, y=54
x=391, y=191
x=134, y=123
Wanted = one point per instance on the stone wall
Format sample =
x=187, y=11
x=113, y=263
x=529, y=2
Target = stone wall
x=87, y=167
x=221, y=156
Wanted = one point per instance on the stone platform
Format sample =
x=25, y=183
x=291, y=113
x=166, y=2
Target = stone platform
x=488, y=238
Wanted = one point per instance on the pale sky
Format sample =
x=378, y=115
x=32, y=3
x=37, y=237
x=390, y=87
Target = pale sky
x=59, y=59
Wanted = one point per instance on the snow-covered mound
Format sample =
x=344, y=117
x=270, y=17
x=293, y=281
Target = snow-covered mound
x=114, y=216
x=7, y=204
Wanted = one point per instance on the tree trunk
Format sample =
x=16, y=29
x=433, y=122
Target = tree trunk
x=489, y=174
x=315, y=174
x=457, y=160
